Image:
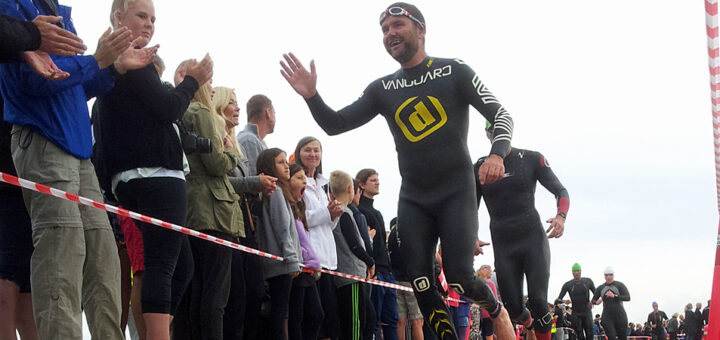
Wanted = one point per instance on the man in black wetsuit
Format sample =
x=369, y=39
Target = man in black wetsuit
x=657, y=319
x=580, y=289
x=519, y=241
x=425, y=104
x=612, y=293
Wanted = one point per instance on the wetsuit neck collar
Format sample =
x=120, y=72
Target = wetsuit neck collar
x=424, y=64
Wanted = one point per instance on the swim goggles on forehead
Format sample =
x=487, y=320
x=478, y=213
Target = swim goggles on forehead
x=399, y=11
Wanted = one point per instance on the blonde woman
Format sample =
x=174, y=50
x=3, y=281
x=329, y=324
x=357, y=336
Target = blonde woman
x=246, y=184
x=143, y=159
x=213, y=209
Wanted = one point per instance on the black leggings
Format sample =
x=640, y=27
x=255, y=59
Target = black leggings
x=454, y=221
x=523, y=254
x=167, y=255
x=615, y=324
x=279, y=305
x=306, y=314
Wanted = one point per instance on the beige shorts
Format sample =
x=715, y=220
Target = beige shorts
x=407, y=305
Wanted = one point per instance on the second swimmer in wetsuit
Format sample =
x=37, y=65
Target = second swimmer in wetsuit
x=612, y=294
x=581, y=290
x=518, y=236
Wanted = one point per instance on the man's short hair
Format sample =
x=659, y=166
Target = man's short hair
x=364, y=174
x=256, y=105
x=339, y=182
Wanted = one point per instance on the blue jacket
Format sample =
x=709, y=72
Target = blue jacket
x=56, y=110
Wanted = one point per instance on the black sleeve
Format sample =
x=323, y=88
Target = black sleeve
x=564, y=290
x=484, y=101
x=547, y=178
x=336, y=122
x=362, y=228
x=624, y=294
x=649, y=319
x=348, y=229
x=596, y=296
x=167, y=104
x=17, y=36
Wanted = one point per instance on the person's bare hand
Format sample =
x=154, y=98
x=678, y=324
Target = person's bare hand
x=557, y=227
x=134, y=58
x=202, y=71
x=43, y=65
x=294, y=274
x=371, y=272
x=182, y=70
x=268, y=184
x=55, y=40
x=372, y=232
x=111, y=45
x=335, y=209
x=610, y=294
x=302, y=81
x=491, y=170
x=478, y=247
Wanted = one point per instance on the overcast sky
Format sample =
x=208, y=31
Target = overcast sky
x=615, y=94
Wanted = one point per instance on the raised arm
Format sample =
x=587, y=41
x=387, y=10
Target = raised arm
x=332, y=122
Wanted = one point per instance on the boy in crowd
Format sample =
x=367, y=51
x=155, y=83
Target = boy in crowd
x=352, y=259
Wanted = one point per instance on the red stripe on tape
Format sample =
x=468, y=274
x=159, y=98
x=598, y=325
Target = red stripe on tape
x=710, y=8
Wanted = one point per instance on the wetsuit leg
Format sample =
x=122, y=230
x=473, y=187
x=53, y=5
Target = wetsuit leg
x=536, y=265
x=508, y=262
x=418, y=238
x=458, y=227
x=585, y=328
x=608, y=323
x=621, y=323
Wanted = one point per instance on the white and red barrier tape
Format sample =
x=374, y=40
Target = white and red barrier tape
x=140, y=217
x=10, y=179
x=122, y=212
x=713, y=42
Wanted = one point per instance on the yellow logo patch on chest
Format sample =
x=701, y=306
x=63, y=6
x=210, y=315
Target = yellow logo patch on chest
x=416, y=120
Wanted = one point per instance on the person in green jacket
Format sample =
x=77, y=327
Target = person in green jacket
x=212, y=209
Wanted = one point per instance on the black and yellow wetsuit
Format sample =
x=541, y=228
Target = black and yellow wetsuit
x=427, y=110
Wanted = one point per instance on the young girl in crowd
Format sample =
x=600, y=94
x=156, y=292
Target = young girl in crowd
x=306, y=312
x=213, y=209
x=278, y=235
x=322, y=215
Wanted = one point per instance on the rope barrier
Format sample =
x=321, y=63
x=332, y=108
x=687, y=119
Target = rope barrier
x=23, y=183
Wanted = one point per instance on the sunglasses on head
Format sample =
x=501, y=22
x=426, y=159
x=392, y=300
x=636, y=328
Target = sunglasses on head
x=399, y=11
